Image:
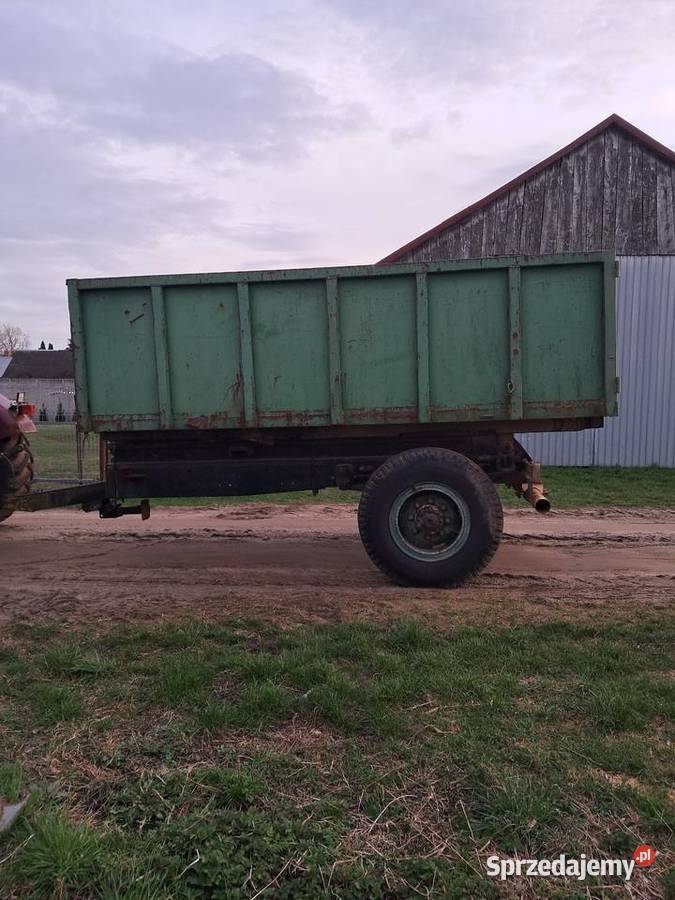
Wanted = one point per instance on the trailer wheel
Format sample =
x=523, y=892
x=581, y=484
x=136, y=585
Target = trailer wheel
x=16, y=472
x=430, y=517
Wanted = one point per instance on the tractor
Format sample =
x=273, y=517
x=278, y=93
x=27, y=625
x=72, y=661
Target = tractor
x=16, y=459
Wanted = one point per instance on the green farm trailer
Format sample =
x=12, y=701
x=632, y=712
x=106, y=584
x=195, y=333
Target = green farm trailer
x=406, y=382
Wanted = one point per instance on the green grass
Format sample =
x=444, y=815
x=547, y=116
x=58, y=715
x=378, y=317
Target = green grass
x=55, y=452
x=568, y=487
x=200, y=760
x=52, y=703
x=62, y=854
x=609, y=486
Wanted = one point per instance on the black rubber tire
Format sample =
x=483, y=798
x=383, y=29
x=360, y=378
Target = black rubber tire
x=430, y=464
x=16, y=472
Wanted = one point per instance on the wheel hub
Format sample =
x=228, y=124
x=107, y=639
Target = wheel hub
x=429, y=521
x=430, y=518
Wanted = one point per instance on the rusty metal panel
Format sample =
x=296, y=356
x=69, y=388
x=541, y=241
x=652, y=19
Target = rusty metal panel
x=643, y=434
x=475, y=341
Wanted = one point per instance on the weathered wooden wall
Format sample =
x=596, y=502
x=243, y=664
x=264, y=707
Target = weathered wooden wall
x=612, y=192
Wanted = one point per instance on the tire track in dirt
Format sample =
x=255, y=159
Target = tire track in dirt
x=305, y=563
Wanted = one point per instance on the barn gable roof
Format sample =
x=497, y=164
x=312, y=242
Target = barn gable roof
x=40, y=364
x=614, y=121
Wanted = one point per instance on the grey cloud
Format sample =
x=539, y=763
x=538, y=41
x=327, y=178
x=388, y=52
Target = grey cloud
x=236, y=100
x=480, y=44
x=62, y=190
x=268, y=236
x=111, y=82
x=466, y=43
x=47, y=52
x=416, y=131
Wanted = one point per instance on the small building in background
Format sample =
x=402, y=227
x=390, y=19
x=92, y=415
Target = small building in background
x=47, y=379
x=4, y=362
x=613, y=188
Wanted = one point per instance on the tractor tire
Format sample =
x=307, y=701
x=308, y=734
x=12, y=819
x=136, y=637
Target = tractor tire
x=16, y=472
x=430, y=517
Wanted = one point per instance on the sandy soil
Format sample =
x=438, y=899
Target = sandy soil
x=305, y=563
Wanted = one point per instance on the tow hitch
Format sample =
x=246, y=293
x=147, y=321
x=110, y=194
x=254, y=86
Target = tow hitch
x=113, y=509
x=91, y=497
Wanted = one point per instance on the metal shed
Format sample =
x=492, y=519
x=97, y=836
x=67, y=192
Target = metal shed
x=612, y=188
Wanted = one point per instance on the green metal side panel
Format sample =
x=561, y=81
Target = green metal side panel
x=120, y=351
x=378, y=347
x=203, y=352
x=562, y=338
x=471, y=341
x=469, y=347
x=289, y=328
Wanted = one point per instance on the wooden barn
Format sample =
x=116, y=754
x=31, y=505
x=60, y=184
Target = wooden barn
x=612, y=188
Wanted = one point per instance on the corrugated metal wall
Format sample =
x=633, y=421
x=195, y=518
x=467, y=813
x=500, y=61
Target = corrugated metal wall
x=643, y=434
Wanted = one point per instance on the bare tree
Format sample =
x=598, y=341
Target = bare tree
x=12, y=338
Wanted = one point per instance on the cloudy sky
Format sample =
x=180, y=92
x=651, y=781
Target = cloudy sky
x=176, y=136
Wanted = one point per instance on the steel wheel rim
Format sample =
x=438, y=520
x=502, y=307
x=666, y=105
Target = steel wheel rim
x=429, y=522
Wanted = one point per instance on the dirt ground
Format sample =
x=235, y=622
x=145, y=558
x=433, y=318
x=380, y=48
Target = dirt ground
x=294, y=564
